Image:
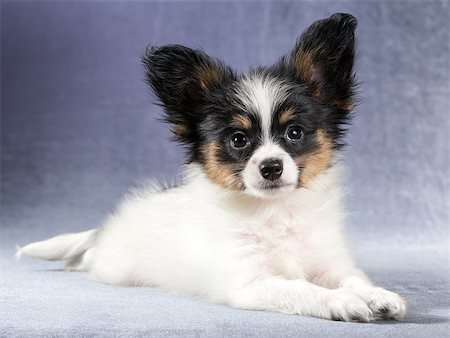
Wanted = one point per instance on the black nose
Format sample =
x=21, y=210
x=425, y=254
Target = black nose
x=271, y=169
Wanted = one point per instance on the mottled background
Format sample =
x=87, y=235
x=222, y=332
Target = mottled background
x=78, y=129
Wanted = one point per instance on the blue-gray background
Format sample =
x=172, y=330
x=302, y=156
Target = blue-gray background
x=78, y=127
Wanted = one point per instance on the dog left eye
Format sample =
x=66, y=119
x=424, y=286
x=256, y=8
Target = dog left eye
x=239, y=140
x=294, y=133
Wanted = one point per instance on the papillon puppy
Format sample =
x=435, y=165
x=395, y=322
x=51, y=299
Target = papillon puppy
x=256, y=221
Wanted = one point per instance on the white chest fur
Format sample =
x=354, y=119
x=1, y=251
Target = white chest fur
x=198, y=236
x=294, y=237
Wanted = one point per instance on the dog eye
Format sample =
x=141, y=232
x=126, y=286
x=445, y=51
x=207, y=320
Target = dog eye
x=294, y=133
x=239, y=140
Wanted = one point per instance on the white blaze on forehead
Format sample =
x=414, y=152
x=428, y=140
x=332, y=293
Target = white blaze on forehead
x=260, y=95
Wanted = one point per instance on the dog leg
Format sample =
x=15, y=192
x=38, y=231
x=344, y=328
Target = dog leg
x=302, y=298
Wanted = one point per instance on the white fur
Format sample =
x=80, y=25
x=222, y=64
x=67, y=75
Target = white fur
x=61, y=247
x=285, y=254
x=260, y=95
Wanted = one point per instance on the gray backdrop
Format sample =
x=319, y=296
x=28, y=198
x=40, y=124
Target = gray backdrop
x=78, y=127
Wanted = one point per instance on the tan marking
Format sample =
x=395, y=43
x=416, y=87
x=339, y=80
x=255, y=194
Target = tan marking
x=222, y=174
x=179, y=129
x=241, y=121
x=346, y=104
x=209, y=76
x=317, y=162
x=287, y=115
x=303, y=63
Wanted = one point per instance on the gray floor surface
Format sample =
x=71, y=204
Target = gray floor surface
x=38, y=299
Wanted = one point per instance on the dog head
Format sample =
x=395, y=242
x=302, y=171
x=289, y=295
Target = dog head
x=269, y=131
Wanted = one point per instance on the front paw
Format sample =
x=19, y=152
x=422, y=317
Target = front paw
x=348, y=307
x=385, y=304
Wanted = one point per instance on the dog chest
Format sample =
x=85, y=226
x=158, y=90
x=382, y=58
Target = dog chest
x=284, y=246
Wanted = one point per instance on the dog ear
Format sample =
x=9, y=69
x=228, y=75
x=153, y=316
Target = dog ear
x=181, y=77
x=323, y=60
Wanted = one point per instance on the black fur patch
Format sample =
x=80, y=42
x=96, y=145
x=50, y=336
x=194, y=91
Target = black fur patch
x=182, y=78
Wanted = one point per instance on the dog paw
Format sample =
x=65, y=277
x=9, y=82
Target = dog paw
x=385, y=304
x=347, y=306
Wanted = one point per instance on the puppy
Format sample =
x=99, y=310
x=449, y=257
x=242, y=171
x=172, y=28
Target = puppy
x=256, y=222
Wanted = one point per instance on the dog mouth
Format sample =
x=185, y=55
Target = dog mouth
x=271, y=189
x=271, y=186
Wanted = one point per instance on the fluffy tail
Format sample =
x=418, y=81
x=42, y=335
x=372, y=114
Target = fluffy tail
x=70, y=247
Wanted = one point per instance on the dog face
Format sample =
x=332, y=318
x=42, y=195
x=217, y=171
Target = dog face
x=271, y=130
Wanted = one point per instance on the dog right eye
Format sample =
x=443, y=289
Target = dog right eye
x=239, y=140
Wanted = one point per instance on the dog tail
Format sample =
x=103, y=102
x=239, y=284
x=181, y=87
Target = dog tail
x=68, y=247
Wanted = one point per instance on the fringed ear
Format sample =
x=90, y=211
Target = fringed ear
x=181, y=78
x=323, y=60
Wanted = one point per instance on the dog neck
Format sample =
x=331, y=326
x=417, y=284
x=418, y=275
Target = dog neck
x=324, y=189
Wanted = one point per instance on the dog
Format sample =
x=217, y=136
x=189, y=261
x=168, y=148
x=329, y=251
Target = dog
x=256, y=222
